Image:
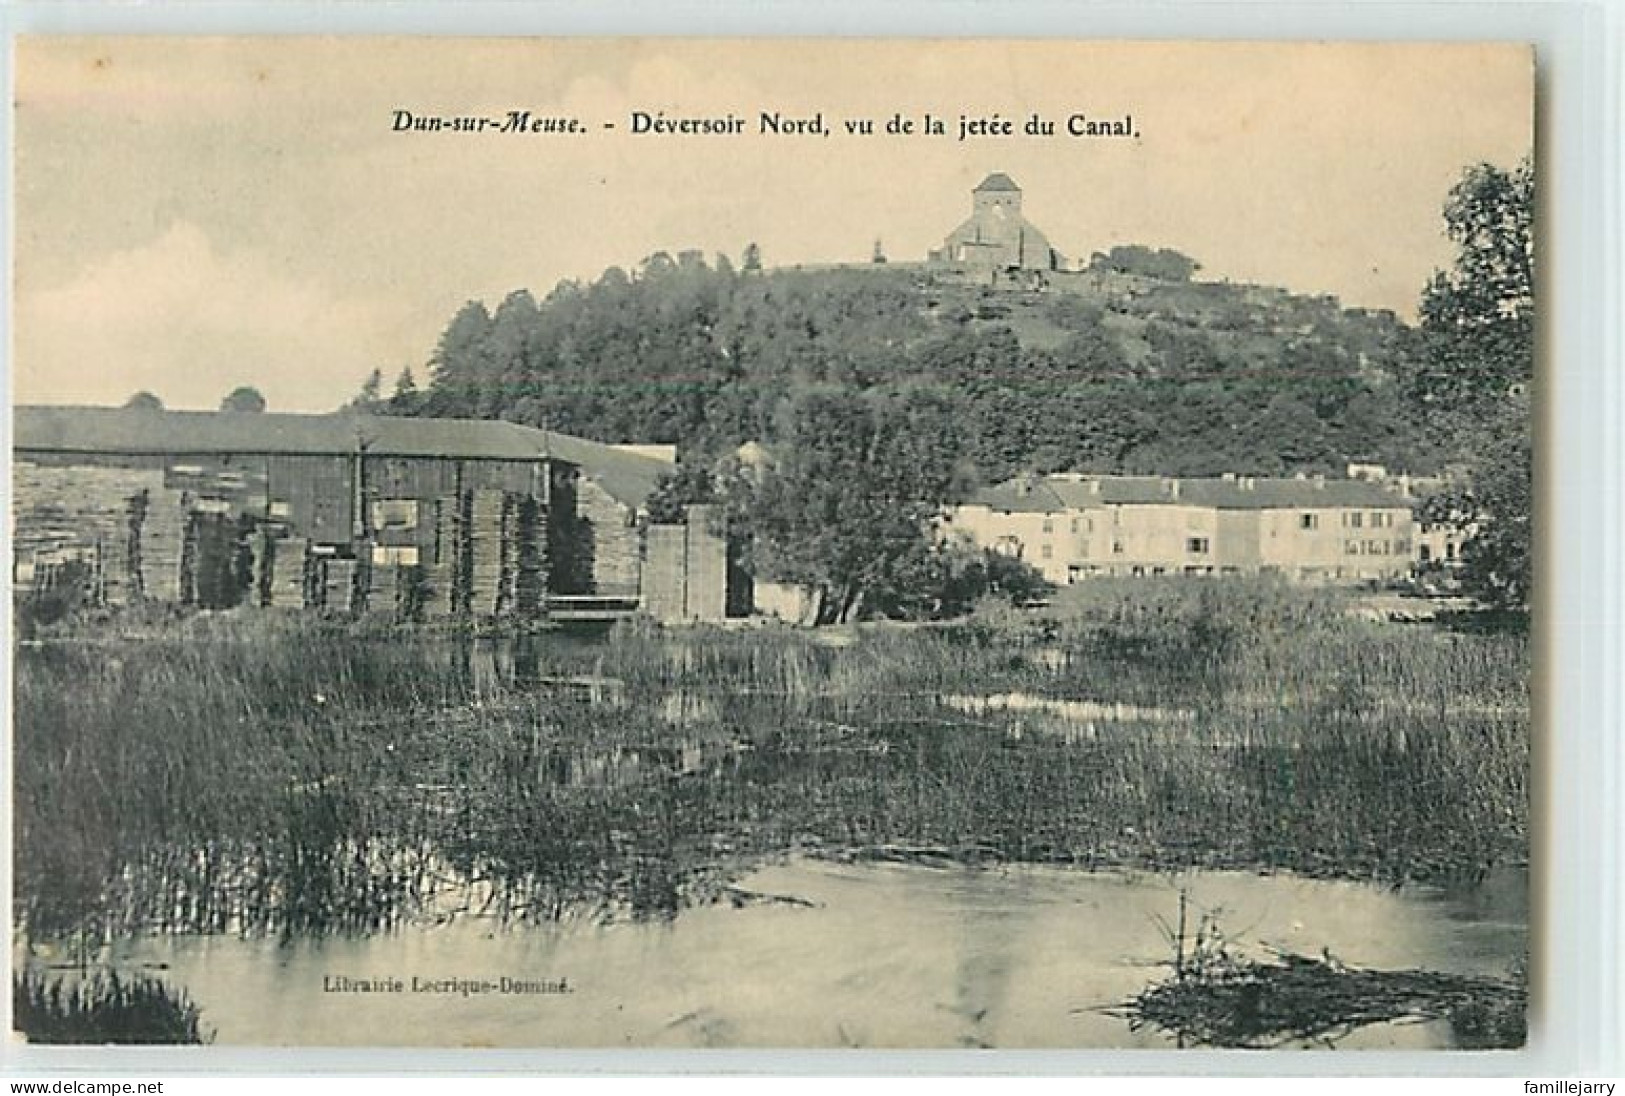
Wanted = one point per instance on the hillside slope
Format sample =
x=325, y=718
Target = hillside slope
x=1098, y=370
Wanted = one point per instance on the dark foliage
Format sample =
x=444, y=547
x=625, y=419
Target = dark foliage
x=1183, y=377
x=243, y=398
x=1148, y=262
x=144, y=401
x=1225, y=1000
x=1471, y=373
x=103, y=1008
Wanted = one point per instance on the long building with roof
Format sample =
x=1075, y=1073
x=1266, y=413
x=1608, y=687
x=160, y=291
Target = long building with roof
x=1072, y=526
x=470, y=518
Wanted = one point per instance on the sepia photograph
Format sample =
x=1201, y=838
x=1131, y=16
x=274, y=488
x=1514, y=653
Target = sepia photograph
x=751, y=543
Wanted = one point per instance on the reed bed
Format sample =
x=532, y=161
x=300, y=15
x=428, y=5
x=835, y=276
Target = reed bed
x=275, y=774
x=102, y=1008
x=1220, y=998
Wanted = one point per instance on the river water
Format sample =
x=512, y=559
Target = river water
x=866, y=955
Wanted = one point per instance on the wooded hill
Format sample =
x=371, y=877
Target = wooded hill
x=883, y=392
x=1101, y=371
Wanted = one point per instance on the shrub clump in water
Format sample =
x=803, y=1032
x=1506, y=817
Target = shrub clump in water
x=102, y=1009
x=1221, y=999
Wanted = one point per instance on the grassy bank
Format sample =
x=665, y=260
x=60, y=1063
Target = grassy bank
x=270, y=773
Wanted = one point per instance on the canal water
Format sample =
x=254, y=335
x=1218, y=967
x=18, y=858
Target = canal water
x=814, y=953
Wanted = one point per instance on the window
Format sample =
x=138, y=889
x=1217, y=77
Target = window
x=1117, y=547
x=1308, y=521
x=395, y=514
x=387, y=555
x=1197, y=546
x=1074, y=526
x=1049, y=525
x=1355, y=519
x=1046, y=552
x=1352, y=548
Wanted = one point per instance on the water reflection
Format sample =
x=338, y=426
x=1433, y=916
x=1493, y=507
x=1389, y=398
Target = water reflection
x=877, y=956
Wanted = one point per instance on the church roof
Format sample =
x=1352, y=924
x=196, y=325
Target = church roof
x=997, y=181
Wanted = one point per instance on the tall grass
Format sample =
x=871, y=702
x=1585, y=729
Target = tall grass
x=271, y=773
x=103, y=1008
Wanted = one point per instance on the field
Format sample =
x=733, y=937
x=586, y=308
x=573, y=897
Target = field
x=271, y=774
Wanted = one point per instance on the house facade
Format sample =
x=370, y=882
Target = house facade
x=1072, y=526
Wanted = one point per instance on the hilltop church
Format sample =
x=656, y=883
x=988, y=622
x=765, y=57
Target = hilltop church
x=997, y=236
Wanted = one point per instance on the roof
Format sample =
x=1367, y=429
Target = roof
x=997, y=181
x=626, y=476
x=1052, y=494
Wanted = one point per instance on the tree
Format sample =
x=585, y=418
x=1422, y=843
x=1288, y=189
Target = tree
x=1164, y=264
x=243, y=398
x=676, y=491
x=1477, y=329
x=1498, y=561
x=406, y=398
x=370, y=399
x=460, y=366
x=847, y=506
x=1475, y=360
x=144, y=401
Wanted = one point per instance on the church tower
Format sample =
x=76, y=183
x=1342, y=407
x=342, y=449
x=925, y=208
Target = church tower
x=997, y=237
x=998, y=195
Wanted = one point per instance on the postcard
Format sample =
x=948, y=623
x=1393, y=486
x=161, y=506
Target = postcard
x=625, y=543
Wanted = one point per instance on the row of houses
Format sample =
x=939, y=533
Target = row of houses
x=1071, y=526
x=462, y=518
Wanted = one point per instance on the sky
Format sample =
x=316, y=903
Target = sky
x=191, y=215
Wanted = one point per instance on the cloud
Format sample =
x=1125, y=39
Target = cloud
x=180, y=317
